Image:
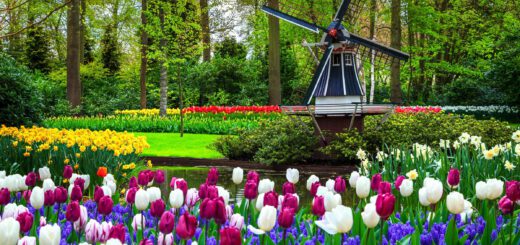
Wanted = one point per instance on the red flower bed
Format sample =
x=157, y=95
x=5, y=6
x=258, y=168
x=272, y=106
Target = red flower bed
x=233, y=109
x=417, y=109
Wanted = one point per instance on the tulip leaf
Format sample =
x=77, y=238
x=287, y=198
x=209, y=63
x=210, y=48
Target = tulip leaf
x=404, y=241
x=451, y=236
x=267, y=239
x=202, y=237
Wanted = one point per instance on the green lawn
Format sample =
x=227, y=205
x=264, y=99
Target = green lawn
x=172, y=145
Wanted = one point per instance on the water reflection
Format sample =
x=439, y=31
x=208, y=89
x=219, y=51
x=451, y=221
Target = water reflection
x=196, y=176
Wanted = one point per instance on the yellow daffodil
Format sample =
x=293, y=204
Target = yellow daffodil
x=488, y=155
x=509, y=166
x=412, y=174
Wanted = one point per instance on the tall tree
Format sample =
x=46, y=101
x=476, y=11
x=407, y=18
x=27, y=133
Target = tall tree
x=73, y=54
x=206, y=42
x=144, y=51
x=110, y=54
x=275, y=86
x=373, y=13
x=395, y=42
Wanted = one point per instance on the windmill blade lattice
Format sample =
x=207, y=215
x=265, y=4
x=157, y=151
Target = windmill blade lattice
x=303, y=11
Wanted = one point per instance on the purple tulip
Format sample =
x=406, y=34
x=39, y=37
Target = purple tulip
x=105, y=205
x=166, y=222
x=73, y=211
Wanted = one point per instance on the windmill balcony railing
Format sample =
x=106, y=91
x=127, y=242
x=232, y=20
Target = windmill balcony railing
x=339, y=109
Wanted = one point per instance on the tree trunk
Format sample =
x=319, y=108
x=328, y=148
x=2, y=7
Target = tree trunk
x=82, y=31
x=163, y=79
x=206, y=42
x=395, y=42
x=73, y=54
x=144, y=53
x=275, y=86
x=373, y=12
x=181, y=103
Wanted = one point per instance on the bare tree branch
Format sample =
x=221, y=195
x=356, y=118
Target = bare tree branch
x=37, y=22
x=14, y=7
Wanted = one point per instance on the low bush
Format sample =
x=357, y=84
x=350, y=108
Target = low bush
x=279, y=142
x=345, y=145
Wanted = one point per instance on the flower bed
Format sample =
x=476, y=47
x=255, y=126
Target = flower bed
x=23, y=150
x=467, y=197
x=204, y=109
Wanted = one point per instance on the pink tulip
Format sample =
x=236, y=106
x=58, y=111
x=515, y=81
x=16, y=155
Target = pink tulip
x=318, y=206
x=167, y=222
x=26, y=221
x=288, y=187
x=506, y=205
x=212, y=176
x=192, y=197
x=165, y=239
x=236, y=221
x=453, y=177
x=118, y=232
x=385, y=205
x=340, y=185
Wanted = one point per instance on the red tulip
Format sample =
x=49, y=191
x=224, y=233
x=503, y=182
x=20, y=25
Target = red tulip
x=254, y=176
x=399, y=181
x=318, y=206
x=60, y=194
x=506, y=205
x=118, y=232
x=230, y=236
x=73, y=211
x=186, y=226
x=105, y=205
x=26, y=220
x=385, y=187
x=220, y=214
x=130, y=195
x=30, y=179
x=166, y=222
x=157, y=208
x=288, y=188
x=271, y=199
x=212, y=176
x=251, y=189
x=286, y=218
x=132, y=183
x=98, y=193
x=385, y=205
x=314, y=188
x=159, y=176
x=5, y=196
x=290, y=201
x=340, y=185
x=48, y=198
x=513, y=190
x=376, y=179
x=453, y=177
x=67, y=171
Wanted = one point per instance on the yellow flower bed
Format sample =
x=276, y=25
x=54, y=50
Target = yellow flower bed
x=147, y=112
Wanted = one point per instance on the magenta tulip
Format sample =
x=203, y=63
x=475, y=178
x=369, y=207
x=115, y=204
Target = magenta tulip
x=290, y=201
x=207, y=208
x=286, y=218
x=340, y=185
x=132, y=183
x=271, y=199
x=67, y=171
x=98, y=193
x=5, y=196
x=318, y=206
x=73, y=211
x=220, y=214
x=76, y=194
x=376, y=180
x=212, y=192
x=288, y=188
x=30, y=179
x=453, y=177
x=253, y=176
x=157, y=208
x=26, y=220
x=80, y=182
x=385, y=204
x=186, y=226
x=105, y=205
x=513, y=190
x=182, y=185
x=203, y=190
x=27, y=196
x=142, y=178
x=60, y=194
x=117, y=232
x=212, y=176
x=230, y=236
x=506, y=205
x=48, y=198
x=399, y=181
x=166, y=222
x=314, y=188
x=251, y=189
x=130, y=195
x=159, y=177
x=385, y=187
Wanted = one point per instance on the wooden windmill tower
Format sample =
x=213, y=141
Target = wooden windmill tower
x=335, y=87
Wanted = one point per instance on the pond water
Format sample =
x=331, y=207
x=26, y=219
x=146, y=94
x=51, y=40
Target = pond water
x=196, y=176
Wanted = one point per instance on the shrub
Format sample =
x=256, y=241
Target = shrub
x=279, y=142
x=20, y=101
x=345, y=145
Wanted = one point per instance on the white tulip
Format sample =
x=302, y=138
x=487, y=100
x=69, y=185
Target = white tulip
x=176, y=198
x=468, y=211
x=45, y=173
x=353, y=179
x=313, y=178
x=266, y=221
x=141, y=200
x=109, y=178
x=81, y=223
x=165, y=239
x=423, y=197
x=292, y=175
x=494, y=189
x=373, y=199
x=107, y=191
x=92, y=231
x=330, y=185
x=223, y=193
x=2, y=174
x=406, y=188
x=27, y=240
x=362, y=186
x=111, y=185
x=10, y=231
x=37, y=197
x=481, y=190
x=260, y=201
x=455, y=202
x=339, y=220
x=10, y=211
x=265, y=185
x=238, y=175
x=50, y=235
x=12, y=182
x=48, y=184
x=331, y=200
x=321, y=190
x=3, y=183
x=434, y=191
x=154, y=193
x=85, y=177
x=370, y=216
x=113, y=241
x=138, y=221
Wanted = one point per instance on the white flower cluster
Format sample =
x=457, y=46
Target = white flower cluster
x=490, y=109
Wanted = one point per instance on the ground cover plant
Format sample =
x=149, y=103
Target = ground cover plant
x=470, y=196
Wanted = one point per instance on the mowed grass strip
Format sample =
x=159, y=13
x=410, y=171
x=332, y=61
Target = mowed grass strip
x=172, y=145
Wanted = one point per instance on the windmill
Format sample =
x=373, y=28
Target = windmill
x=335, y=87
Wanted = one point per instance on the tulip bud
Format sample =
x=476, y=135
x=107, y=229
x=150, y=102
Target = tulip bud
x=362, y=187
x=220, y=214
x=130, y=195
x=37, y=197
x=288, y=188
x=27, y=240
x=50, y=235
x=141, y=200
x=250, y=190
x=353, y=179
x=5, y=196
x=314, y=188
x=207, y=208
x=271, y=198
x=105, y=205
x=318, y=206
x=266, y=219
x=154, y=193
x=376, y=180
x=230, y=236
x=192, y=197
x=331, y=200
x=513, y=190
x=159, y=176
x=60, y=195
x=434, y=190
x=117, y=232
x=260, y=202
x=236, y=221
x=290, y=201
x=340, y=185
x=98, y=193
x=238, y=175
x=253, y=176
x=370, y=216
x=45, y=173
x=67, y=171
x=26, y=221
x=186, y=226
x=76, y=193
x=495, y=188
x=166, y=223
x=265, y=185
x=311, y=180
x=292, y=175
x=423, y=197
x=73, y=211
x=142, y=178
x=81, y=223
x=481, y=190
x=455, y=202
x=212, y=176
x=48, y=198
x=132, y=183
x=30, y=180
x=506, y=205
x=10, y=231
x=286, y=218
x=385, y=187
x=182, y=185
x=212, y=191
x=138, y=221
x=339, y=220
x=176, y=198
x=406, y=188
x=166, y=239
x=385, y=205
x=453, y=177
x=157, y=208
x=223, y=193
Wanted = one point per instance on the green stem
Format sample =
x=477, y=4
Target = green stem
x=284, y=235
x=367, y=236
x=381, y=232
x=142, y=224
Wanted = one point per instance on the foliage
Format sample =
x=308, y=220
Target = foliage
x=230, y=48
x=345, y=145
x=428, y=128
x=37, y=50
x=110, y=54
x=27, y=149
x=20, y=101
x=279, y=142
